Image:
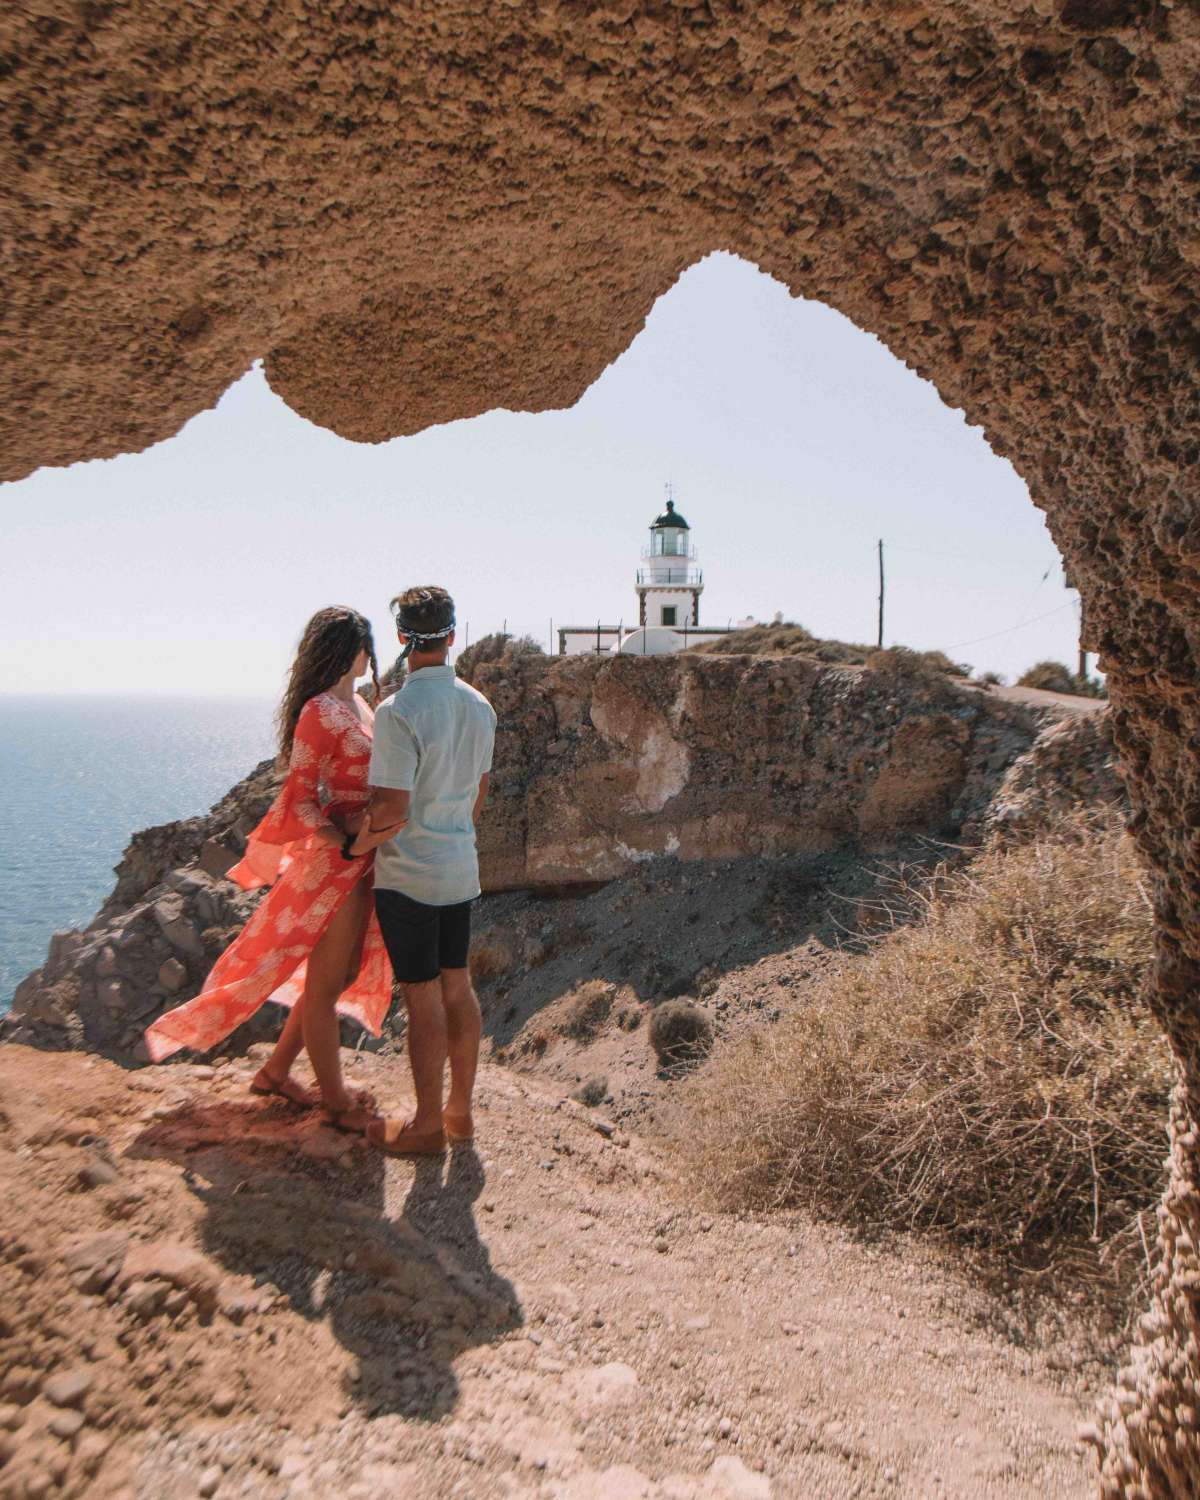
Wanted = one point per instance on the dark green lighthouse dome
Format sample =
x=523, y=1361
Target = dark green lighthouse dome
x=671, y=517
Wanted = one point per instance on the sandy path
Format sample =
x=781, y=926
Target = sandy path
x=540, y=1318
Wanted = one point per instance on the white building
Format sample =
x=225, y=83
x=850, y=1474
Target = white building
x=668, y=587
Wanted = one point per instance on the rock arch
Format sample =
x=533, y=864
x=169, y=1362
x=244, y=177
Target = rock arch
x=416, y=213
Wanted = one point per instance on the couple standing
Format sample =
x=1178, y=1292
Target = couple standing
x=370, y=852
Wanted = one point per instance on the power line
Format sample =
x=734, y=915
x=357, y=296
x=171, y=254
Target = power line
x=1070, y=604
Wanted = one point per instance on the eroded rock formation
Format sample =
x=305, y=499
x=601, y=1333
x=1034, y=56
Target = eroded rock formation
x=1072, y=764
x=416, y=214
x=604, y=763
x=601, y=765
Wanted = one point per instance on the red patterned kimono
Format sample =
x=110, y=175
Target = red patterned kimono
x=327, y=779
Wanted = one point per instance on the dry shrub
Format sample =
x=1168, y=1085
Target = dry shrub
x=680, y=1033
x=900, y=661
x=493, y=952
x=587, y=1009
x=495, y=647
x=990, y=1070
x=1055, y=677
x=781, y=639
x=785, y=639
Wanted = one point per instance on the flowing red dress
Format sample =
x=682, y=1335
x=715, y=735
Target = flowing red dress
x=327, y=779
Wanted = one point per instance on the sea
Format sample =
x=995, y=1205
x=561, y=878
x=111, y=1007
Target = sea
x=79, y=775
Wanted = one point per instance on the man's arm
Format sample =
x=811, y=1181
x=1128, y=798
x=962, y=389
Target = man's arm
x=395, y=756
x=481, y=796
x=387, y=813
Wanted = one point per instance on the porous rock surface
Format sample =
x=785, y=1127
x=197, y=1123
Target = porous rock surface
x=417, y=214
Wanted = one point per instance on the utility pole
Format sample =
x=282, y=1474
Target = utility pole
x=881, y=593
x=1069, y=583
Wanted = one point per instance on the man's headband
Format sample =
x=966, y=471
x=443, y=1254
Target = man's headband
x=420, y=637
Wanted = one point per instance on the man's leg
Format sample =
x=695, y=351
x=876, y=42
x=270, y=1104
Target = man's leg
x=410, y=934
x=426, y=1051
x=464, y=1027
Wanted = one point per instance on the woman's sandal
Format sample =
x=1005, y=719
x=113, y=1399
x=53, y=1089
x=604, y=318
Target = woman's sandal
x=356, y=1119
x=267, y=1086
x=460, y=1129
x=398, y=1138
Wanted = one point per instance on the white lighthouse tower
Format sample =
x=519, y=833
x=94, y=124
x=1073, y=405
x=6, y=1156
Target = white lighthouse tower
x=669, y=583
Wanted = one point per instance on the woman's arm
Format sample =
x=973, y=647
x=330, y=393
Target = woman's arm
x=387, y=813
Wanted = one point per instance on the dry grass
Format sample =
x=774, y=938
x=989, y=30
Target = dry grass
x=989, y=1070
x=785, y=639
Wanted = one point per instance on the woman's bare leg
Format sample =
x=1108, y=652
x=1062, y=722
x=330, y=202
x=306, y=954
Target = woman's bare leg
x=327, y=968
x=290, y=1043
x=275, y=1073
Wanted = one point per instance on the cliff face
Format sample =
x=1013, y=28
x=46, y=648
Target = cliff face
x=154, y=939
x=601, y=764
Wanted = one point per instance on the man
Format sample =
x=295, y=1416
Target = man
x=429, y=773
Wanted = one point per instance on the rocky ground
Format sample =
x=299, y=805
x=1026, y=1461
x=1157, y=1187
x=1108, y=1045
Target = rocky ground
x=570, y=986
x=209, y=1294
x=203, y=1293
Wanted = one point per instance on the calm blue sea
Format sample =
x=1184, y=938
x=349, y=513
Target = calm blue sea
x=79, y=775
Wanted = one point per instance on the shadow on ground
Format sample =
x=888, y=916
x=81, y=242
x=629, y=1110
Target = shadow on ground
x=303, y=1212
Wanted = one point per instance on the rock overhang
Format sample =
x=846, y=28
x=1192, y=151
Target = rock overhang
x=414, y=216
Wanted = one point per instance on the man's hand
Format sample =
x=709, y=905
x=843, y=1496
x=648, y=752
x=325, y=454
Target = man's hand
x=387, y=813
x=371, y=838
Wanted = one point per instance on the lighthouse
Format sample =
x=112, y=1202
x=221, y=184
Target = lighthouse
x=669, y=583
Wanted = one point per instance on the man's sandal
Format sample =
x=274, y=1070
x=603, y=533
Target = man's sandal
x=397, y=1138
x=459, y=1128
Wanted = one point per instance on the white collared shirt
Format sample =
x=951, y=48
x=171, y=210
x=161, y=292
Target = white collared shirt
x=434, y=739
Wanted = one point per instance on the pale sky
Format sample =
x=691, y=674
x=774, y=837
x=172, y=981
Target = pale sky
x=793, y=441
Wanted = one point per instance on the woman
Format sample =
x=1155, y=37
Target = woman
x=314, y=943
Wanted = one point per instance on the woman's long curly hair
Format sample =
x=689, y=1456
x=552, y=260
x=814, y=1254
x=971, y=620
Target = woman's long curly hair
x=331, y=641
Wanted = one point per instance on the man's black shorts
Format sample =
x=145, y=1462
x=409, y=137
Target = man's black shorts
x=423, y=940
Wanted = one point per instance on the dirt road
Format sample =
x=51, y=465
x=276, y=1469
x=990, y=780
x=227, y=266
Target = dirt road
x=253, y=1305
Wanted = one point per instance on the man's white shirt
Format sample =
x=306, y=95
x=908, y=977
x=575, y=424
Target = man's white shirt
x=433, y=739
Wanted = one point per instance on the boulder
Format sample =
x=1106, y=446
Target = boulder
x=93, y=1261
x=177, y=1264
x=172, y=975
